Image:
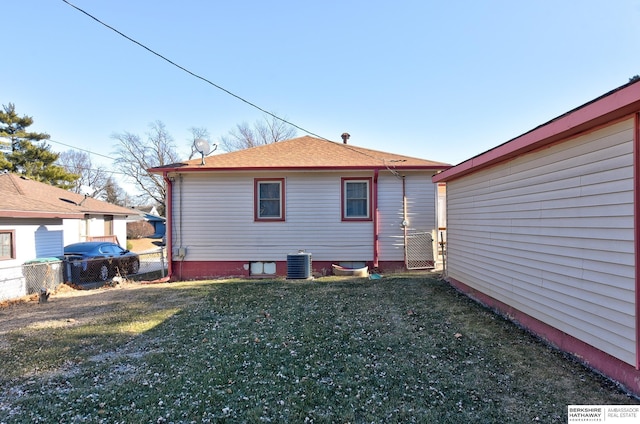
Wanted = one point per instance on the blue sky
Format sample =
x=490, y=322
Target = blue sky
x=440, y=80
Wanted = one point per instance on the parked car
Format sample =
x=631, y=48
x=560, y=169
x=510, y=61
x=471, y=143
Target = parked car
x=101, y=259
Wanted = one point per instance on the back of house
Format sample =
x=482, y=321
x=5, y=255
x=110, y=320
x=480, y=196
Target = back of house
x=248, y=212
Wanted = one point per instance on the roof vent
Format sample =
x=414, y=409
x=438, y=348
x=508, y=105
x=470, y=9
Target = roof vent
x=345, y=137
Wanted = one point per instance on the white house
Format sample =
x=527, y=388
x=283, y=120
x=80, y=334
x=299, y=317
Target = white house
x=37, y=220
x=243, y=213
x=544, y=228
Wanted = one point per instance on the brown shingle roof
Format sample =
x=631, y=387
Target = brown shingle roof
x=305, y=152
x=23, y=197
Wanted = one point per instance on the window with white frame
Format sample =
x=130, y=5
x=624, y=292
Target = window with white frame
x=269, y=199
x=356, y=199
x=7, y=244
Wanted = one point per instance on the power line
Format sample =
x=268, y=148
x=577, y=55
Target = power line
x=81, y=149
x=111, y=171
x=193, y=73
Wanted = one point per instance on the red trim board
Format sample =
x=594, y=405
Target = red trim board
x=625, y=374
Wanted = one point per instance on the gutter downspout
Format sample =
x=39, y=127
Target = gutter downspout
x=404, y=220
x=376, y=221
x=169, y=227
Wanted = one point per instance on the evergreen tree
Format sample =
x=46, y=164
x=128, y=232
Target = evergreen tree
x=113, y=193
x=26, y=158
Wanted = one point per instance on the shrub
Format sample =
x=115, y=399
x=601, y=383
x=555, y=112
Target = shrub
x=139, y=229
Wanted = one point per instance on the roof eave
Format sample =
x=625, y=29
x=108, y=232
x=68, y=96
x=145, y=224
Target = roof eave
x=297, y=168
x=39, y=214
x=617, y=104
x=103, y=212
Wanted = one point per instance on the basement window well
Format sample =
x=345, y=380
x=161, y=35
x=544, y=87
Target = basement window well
x=262, y=268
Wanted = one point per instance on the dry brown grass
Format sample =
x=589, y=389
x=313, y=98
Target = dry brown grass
x=400, y=349
x=142, y=245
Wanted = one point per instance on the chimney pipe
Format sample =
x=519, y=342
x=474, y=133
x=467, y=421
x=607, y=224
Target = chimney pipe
x=345, y=137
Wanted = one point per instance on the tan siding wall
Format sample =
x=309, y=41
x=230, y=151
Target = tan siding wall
x=551, y=234
x=223, y=206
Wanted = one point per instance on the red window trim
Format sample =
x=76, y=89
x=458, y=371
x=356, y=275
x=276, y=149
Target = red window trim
x=256, y=200
x=343, y=182
x=13, y=245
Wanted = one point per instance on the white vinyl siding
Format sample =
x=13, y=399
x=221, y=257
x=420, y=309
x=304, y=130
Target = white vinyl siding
x=48, y=241
x=421, y=210
x=34, y=238
x=420, y=204
x=551, y=233
x=391, y=240
x=217, y=220
x=73, y=230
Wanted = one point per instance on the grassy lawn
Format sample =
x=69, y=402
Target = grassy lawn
x=400, y=349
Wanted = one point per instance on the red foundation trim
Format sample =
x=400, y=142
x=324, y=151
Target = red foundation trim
x=623, y=373
x=202, y=270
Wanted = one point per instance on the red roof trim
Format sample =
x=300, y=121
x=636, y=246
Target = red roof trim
x=614, y=105
x=296, y=168
x=38, y=214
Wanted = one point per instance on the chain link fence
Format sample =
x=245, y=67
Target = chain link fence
x=48, y=273
x=419, y=250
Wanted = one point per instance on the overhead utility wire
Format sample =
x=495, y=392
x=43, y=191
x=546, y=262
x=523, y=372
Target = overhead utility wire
x=192, y=73
x=79, y=148
x=112, y=172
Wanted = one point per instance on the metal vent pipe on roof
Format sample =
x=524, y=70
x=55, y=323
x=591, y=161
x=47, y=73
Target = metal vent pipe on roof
x=345, y=137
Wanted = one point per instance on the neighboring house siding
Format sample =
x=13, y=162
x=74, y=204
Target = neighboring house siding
x=120, y=230
x=222, y=205
x=35, y=238
x=74, y=231
x=551, y=233
x=48, y=241
x=94, y=226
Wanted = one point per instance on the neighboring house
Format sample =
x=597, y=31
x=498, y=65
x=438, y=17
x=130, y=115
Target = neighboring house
x=37, y=220
x=158, y=222
x=151, y=216
x=244, y=212
x=544, y=228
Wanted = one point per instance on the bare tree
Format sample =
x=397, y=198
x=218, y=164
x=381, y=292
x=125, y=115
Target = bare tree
x=265, y=131
x=135, y=156
x=79, y=163
x=197, y=132
x=115, y=194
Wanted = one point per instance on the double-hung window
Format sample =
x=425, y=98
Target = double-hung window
x=7, y=244
x=356, y=199
x=269, y=199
